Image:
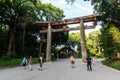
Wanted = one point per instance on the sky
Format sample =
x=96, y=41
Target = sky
x=78, y=9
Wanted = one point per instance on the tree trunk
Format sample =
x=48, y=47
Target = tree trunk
x=11, y=46
x=23, y=41
x=10, y=41
x=40, y=49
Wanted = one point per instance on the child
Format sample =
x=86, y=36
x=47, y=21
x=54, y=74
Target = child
x=30, y=64
x=40, y=62
x=72, y=60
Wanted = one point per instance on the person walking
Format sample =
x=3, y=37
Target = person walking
x=40, y=62
x=89, y=63
x=72, y=60
x=30, y=64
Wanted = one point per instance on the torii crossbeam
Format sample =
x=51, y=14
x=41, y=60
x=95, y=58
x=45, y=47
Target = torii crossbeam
x=67, y=29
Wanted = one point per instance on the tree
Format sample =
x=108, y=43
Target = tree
x=109, y=41
x=74, y=38
x=48, y=12
x=14, y=14
x=115, y=34
x=3, y=39
x=109, y=16
x=93, y=43
x=20, y=17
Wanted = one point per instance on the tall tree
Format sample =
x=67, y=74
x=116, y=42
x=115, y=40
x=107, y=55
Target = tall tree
x=3, y=39
x=109, y=16
x=93, y=43
x=13, y=13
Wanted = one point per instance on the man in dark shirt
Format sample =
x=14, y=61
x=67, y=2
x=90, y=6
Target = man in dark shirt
x=89, y=62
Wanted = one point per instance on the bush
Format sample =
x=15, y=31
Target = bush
x=11, y=54
x=112, y=63
x=5, y=57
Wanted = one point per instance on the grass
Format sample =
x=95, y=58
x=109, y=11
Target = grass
x=112, y=63
x=10, y=63
x=16, y=62
x=13, y=62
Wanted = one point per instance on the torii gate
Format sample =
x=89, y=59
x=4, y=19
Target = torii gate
x=82, y=28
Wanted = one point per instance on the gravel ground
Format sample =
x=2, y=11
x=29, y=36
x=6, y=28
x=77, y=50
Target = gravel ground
x=61, y=70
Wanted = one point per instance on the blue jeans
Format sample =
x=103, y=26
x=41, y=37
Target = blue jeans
x=89, y=67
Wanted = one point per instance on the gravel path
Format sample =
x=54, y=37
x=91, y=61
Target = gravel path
x=61, y=70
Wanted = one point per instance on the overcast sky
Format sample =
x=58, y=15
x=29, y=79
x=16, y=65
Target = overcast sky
x=78, y=9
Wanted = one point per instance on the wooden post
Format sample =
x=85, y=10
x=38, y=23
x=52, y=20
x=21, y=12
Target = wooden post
x=48, y=49
x=83, y=42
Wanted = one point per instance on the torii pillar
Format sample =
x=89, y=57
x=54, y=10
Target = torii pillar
x=48, y=49
x=83, y=42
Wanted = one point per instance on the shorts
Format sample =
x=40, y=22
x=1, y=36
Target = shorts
x=72, y=62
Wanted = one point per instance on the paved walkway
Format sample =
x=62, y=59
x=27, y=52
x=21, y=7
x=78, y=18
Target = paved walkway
x=61, y=70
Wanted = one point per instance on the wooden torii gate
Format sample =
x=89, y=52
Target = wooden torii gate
x=81, y=20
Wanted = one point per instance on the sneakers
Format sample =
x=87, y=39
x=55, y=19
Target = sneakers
x=39, y=68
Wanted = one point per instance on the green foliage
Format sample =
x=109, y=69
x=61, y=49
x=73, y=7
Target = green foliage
x=59, y=38
x=115, y=33
x=110, y=41
x=92, y=41
x=3, y=40
x=10, y=63
x=74, y=38
x=107, y=13
x=20, y=16
x=93, y=44
x=109, y=17
x=112, y=63
x=48, y=12
x=11, y=54
x=15, y=14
